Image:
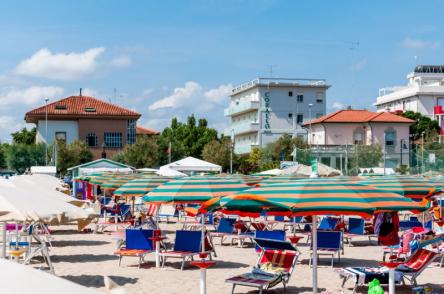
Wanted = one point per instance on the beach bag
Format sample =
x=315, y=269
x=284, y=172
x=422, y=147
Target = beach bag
x=374, y=287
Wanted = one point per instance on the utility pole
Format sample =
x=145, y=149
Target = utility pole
x=385, y=153
x=309, y=120
x=46, y=131
x=422, y=153
x=231, y=151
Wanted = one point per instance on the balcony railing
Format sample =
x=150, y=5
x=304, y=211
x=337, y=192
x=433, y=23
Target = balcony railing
x=245, y=127
x=242, y=106
x=279, y=81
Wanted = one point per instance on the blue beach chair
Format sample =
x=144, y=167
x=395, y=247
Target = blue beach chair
x=187, y=245
x=269, y=235
x=224, y=229
x=330, y=244
x=137, y=244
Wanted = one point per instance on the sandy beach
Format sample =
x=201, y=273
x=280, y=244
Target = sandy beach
x=85, y=258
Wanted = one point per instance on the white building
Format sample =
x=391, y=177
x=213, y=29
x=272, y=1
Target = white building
x=423, y=93
x=264, y=109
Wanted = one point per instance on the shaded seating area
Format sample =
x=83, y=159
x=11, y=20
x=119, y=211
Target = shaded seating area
x=329, y=244
x=408, y=270
x=187, y=244
x=275, y=265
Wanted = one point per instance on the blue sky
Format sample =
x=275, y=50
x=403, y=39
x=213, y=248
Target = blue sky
x=174, y=58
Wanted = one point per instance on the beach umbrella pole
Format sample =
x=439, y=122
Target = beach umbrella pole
x=203, y=271
x=157, y=240
x=314, y=239
x=4, y=240
x=392, y=281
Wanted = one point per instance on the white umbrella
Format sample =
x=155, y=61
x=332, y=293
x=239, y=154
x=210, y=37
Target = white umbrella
x=26, y=203
x=18, y=278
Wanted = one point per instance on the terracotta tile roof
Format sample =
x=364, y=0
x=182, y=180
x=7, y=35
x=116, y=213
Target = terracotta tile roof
x=359, y=116
x=146, y=131
x=74, y=107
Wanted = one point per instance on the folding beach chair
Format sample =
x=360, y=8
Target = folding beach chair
x=224, y=229
x=187, y=245
x=409, y=270
x=270, y=235
x=137, y=244
x=326, y=224
x=168, y=211
x=356, y=228
x=330, y=244
x=242, y=233
x=293, y=223
x=408, y=225
x=274, y=265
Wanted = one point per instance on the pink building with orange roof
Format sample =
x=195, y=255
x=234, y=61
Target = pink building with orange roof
x=334, y=134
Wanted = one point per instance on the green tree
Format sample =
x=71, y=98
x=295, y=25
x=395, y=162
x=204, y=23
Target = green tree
x=187, y=139
x=69, y=155
x=20, y=157
x=24, y=136
x=255, y=159
x=3, y=148
x=283, y=148
x=218, y=152
x=423, y=124
x=143, y=153
x=367, y=156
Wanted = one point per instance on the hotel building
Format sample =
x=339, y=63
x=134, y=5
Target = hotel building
x=423, y=93
x=264, y=109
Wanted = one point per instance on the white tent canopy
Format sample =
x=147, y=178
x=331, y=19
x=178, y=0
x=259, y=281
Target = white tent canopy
x=19, y=278
x=191, y=164
x=169, y=172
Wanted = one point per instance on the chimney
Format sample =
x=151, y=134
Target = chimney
x=349, y=107
x=80, y=92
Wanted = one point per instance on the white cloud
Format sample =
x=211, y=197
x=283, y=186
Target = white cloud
x=29, y=96
x=60, y=66
x=147, y=92
x=121, y=61
x=219, y=94
x=411, y=43
x=360, y=65
x=338, y=105
x=192, y=96
x=9, y=124
x=179, y=97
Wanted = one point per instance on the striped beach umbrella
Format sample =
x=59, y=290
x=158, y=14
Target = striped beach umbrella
x=246, y=179
x=140, y=186
x=281, y=179
x=410, y=187
x=194, y=190
x=315, y=197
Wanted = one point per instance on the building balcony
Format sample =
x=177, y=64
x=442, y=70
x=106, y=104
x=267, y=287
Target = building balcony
x=241, y=107
x=243, y=128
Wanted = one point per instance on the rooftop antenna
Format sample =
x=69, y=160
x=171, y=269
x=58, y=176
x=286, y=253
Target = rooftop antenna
x=270, y=70
x=80, y=92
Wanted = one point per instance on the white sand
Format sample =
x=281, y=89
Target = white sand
x=86, y=258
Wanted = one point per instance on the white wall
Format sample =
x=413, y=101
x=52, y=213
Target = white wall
x=70, y=127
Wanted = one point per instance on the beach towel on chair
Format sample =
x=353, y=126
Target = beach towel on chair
x=365, y=275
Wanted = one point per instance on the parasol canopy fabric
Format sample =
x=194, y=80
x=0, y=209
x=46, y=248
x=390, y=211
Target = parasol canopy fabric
x=317, y=198
x=22, y=203
x=194, y=190
x=140, y=187
x=410, y=187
